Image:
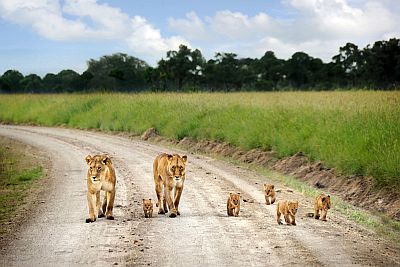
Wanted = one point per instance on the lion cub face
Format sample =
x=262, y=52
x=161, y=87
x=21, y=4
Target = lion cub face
x=177, y=166
x=234, y=198
x=292, y=207
x=97, y=166
x=326, y=202
x=148, y=208
x=269, y=189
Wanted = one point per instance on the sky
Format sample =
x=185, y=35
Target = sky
x=47, y=36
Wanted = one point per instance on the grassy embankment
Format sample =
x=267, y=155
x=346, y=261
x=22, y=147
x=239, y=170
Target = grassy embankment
x=17, y=175
x=355, y=132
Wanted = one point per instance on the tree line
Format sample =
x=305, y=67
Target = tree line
x=376, y=66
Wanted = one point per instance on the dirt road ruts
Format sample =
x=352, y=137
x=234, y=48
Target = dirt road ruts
x=55, y=233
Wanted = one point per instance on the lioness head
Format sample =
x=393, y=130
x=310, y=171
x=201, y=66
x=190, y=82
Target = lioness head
x=235, y=198
x=292, y=207
x=147, y=204
x=269, y=188
x=177, y=166
x=97, y=165
x=326, y=202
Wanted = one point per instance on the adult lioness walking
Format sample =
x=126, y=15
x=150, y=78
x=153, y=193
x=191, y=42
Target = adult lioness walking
x=100, y=176
x=169, y=173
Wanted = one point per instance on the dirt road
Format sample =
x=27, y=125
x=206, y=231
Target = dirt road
x=55, y=233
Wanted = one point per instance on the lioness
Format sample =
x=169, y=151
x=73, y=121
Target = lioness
x=148, y=208
x=100, y=176
x=169, y=174
x=322, y=204
x=269, y=193
x=233, y=204
x=288, y=209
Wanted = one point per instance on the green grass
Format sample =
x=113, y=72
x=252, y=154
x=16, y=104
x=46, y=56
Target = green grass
x=16, y=178
x=356, y=132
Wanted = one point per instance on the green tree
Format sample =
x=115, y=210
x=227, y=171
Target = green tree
x=118, y=71
x=183, y=65
x=350, y=61
x=10, y=81
x=32, y=83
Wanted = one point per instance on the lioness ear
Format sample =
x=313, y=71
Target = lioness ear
x=150, y=199
x=322, y=199
x=329, y=196
x=88, y=159
x=106, y=160
x=143, y=199
x=238, y=193
x=169, y=157
x=230, y=194
x=272, y=186
x=184, y=158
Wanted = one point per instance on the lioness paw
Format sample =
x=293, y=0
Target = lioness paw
x=110, y=217
x=88, y=220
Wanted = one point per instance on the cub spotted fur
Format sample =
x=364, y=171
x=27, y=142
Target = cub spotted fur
x=100, y=176
x=169, y=174
x=269, y=193
x=233, y=204
x=322, y=205
x=148, y=208
x=288, y=209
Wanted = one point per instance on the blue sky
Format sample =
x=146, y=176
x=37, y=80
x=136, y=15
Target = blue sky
x=46, y=36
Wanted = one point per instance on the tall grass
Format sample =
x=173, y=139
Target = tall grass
x=357, y=132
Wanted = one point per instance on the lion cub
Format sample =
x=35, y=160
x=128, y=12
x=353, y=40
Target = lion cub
x=148, y=208
x=288, y=209
x=322, y=204
x=269, y=193
x=233, y=204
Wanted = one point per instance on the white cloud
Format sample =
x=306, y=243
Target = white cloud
x=146, y=39
x=88, y=20
x=319, y=28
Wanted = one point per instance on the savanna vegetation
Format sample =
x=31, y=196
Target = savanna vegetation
x=356, y=132
x=375, y=66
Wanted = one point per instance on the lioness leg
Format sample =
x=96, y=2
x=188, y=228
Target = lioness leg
x=168, y=195
x=91, y=198
x=104, y=205
x=267, y=200
x=110, y=205
x=159, y=197
x=178, y=193
x=100, y=213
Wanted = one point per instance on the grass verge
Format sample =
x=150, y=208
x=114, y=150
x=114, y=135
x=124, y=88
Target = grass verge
x=355, y=132
x=17, y=176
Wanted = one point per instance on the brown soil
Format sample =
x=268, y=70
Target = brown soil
x=358, y=190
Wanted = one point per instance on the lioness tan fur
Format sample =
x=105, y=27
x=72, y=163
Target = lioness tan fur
x=100, y=176
x=233, y=204
x=288, y=209
x=269, y=193
x=148, y=208
x=169, y=174
x=322, y=204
